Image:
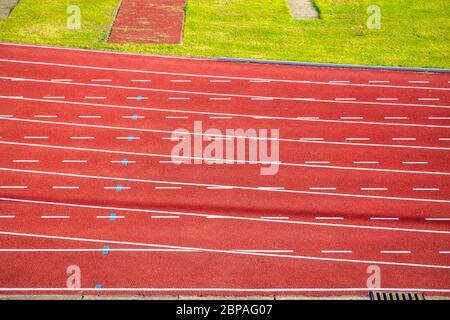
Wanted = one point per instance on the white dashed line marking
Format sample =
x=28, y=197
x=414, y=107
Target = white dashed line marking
x=395, y=251
x=384, y=218
x=25, y=161
x=74, y=161
x=90, y=117
x=276, y=218
x=374, y=189
x=55, y=217
x=426, y=189
x=336, y=251
x=329, y=218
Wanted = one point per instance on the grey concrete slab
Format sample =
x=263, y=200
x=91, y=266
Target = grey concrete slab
x=303, y=9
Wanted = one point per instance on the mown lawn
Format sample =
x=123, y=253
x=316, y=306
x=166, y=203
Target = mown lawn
x=413, y=32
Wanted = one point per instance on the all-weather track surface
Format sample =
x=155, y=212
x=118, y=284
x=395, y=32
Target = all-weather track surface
x=86, y=177
x=149, y=21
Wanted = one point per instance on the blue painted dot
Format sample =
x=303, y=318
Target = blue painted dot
x=134, y=117
x=112, y=217
x=139, y=98
x=119, y=188
x=105, y=249
x=98, y=286
x=130, y=137
x=124, y=162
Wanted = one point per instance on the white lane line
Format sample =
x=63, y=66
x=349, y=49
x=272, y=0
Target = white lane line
x=55, y=217
x=82, y=138
x=374, y=189
x=444, y=252
x=345, y=99
x=404, y=139
x=276, y=218
x=35, y=137
x=444, y=139
x=379, y=81
x=66, y=187
x=251, y=116
x=418, y=81
x=7, y=217
x=25, y=161
x=141, y=80
x=134, y=117
x=366, y=162
x=396, y=118
x=284, y=256
x=386, y=99
x=426, y=189
x=173, y=80
x=357, y=139
x=266, y=251
x=220, y=117
x=101, y=80
x=336, y=251
x=13, y=187
x=384, y=218
x=415, y=162
x=137, y=98
x=168, y=188
x=317, y=162
x=193, y=158
x=93, y=250
x=217, y=76
x=128, y=138
x=165, y=217
x=229, y=95
x=437, y=219
x=45, y=116
x=109, y=217
x=122, y=161
x=115, y=188
x=220, y=188
x=6, y=115
x=329, y=218
x=74, y=161
x=428, y=99
x=311, y=139
x=395, y=251
x=301, y=140
x=90, y=117
x=318, y=188
x=208, y=215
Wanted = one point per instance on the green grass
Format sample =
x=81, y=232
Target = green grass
x=413, y=32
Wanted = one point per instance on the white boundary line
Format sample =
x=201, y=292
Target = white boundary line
x=222, y=77
x=204, y=215
x=251, y=116
x=73, y=124
x=226, y=251
x=192, y=184
x=200, y=93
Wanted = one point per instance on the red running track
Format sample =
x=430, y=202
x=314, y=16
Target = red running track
x=364, y=177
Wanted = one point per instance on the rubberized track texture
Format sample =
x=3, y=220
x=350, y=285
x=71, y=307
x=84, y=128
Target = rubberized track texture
x=87, y=182
x=149, y=21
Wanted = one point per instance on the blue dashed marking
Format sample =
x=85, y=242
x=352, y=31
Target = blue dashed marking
x=119, y=188
x=124, y=162
x=112, y=217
